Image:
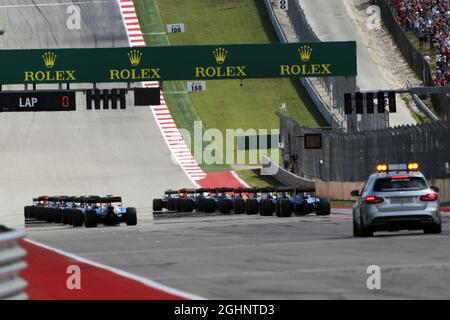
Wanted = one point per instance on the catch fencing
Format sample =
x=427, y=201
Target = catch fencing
x=12, y=286
x=353, y=156
x=441, y=102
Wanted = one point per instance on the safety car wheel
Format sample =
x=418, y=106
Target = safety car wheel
x=131, y=217
x=363, y=231
x=436, y=229
x=356, y=230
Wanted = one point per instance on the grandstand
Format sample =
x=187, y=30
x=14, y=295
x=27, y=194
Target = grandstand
x=430, y=22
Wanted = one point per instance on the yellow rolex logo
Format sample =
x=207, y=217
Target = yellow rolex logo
x=135, y=57
x=50, y=75
x=305, y=53
x=220, y=55
x=49, y=59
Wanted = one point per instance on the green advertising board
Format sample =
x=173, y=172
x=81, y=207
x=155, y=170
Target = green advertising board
x=319, y=59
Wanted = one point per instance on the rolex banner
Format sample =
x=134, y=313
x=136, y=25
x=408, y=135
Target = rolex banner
x=320, y=59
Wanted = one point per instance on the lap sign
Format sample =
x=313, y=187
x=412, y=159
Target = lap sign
x=28, y=102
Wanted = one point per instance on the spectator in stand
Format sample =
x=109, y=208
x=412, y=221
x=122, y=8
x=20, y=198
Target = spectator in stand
x=430, y=21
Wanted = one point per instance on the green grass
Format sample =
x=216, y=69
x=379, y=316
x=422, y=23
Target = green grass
x=226, y=104
x=420, y=118
x=181, y=106
x=253, y=105
x=254, y=180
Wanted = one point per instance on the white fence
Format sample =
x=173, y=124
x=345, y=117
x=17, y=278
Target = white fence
x=12, y=286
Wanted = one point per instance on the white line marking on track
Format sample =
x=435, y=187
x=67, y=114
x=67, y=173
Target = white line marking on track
x=176, y=92
x=160, y=113
x=236, y=176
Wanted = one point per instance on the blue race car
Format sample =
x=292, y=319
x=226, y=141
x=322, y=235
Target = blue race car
x=223, y=200
x=76, y=211
x=266, y=201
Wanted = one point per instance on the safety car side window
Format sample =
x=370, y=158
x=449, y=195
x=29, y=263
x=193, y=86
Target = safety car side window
x=366, y=185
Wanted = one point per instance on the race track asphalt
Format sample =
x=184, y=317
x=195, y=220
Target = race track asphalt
x=215, y=257
x=253, y=257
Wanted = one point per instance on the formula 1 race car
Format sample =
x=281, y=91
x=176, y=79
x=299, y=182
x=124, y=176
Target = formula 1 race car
x=76, y=211
x=202, y=200
x=266, y=201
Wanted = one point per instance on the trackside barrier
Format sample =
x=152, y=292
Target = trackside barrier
x=285, y=177
x=352, y=157
x=444, y=188
x=421, y=105
x=312, y=92
x=12, y=286
x=338, y=190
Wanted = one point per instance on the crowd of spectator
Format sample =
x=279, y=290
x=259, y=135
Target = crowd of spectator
x=430, y=21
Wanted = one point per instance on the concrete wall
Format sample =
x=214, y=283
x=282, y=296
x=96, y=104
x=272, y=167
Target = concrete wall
x=285, y=177
x=444, y=188
x=337, y=190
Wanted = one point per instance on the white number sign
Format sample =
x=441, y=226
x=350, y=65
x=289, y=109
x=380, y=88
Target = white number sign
x=175, y=28
x=283, y=5
x=196, y=86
